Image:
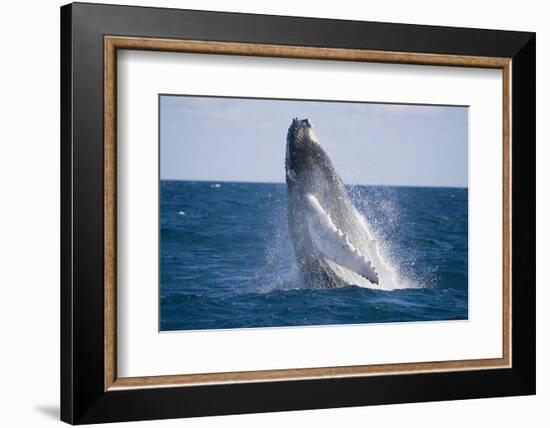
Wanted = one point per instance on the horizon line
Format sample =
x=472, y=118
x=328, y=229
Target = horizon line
x=282, y=182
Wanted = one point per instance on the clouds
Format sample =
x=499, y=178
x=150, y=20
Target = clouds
x=244, y=140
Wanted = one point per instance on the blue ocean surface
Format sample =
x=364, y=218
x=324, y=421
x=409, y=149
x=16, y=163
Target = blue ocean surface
x=227, y=261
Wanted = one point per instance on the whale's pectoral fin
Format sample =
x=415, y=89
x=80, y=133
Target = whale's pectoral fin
x=335, y=245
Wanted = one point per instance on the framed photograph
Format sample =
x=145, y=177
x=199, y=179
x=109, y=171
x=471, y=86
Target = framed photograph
x=266, y=213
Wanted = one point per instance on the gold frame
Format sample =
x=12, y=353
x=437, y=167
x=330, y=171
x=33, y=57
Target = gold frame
x=113, y=43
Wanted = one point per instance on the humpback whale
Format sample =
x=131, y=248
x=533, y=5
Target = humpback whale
x=333, y=244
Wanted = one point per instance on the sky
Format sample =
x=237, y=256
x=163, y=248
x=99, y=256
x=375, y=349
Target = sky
x=243, y=139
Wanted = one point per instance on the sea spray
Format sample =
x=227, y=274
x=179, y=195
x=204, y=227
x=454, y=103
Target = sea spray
x=379, y=206
x=280, y=271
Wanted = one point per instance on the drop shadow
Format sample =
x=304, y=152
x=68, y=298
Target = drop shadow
x=50, y=411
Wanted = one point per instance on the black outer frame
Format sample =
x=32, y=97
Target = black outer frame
x=83, y=399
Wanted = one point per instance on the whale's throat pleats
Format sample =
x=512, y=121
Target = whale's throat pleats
x=354, y=261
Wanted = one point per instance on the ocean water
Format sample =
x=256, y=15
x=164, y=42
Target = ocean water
x=226, y=259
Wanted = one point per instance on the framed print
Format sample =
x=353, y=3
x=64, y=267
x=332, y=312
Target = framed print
x=266, y=213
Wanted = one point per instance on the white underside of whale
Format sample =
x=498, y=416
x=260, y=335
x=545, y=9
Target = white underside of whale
x=364, y=266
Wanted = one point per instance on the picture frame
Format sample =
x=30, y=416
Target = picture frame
x=91, y=390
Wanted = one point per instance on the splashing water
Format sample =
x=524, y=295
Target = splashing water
x=280, y=271
x=379, y=208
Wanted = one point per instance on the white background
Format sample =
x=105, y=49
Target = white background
x=29, y=218
x=142, y=351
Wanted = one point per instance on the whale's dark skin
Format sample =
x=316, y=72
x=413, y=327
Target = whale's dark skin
x=309, y=171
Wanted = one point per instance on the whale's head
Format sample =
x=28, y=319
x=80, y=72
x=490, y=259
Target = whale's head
x=306, y=162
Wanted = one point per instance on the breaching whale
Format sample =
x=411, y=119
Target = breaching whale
x=332, y=241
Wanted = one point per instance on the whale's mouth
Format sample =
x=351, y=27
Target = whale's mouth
x=299, y=138
x=301, y=131
x=300, y=123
